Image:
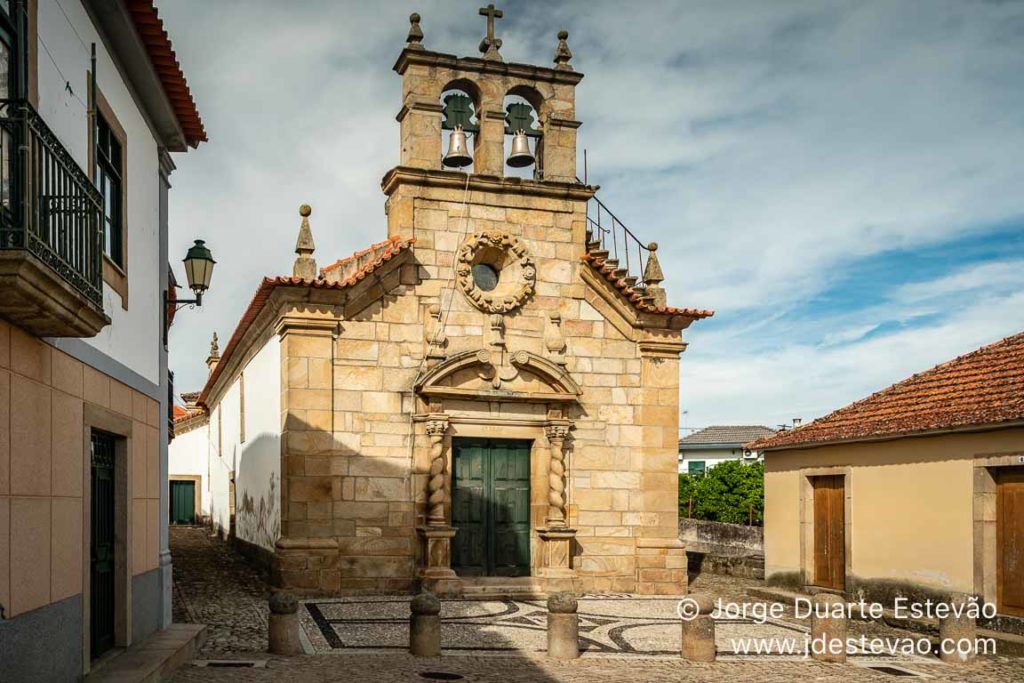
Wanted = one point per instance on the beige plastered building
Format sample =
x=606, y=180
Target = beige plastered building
x=917, y=490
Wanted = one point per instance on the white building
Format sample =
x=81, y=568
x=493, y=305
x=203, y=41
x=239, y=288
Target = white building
x=92, y=102
x=710, y=446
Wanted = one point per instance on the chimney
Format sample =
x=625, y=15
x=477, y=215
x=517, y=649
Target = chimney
x=797, y=421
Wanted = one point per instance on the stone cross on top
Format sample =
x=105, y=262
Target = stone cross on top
x=490, y=45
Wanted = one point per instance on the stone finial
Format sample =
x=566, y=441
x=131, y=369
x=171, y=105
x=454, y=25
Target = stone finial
x=653, y=277
x=214, y=357
x=490, y=45
x=554, y=341
x=425, y=603
x=305, y=264
x=414, y=41
x=562, y=53
x=283, y=603
x=562, y=603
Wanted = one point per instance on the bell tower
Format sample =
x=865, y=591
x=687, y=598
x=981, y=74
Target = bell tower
x=487, y=102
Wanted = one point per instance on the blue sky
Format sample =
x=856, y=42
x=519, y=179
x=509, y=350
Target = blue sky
x=840, y=180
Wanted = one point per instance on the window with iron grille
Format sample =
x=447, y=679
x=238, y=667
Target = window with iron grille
x=109, y=182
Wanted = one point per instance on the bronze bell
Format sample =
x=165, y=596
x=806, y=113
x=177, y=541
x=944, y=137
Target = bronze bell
x=458, y=150
x=520, y=155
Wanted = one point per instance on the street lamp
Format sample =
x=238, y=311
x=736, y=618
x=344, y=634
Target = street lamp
x=198, y=269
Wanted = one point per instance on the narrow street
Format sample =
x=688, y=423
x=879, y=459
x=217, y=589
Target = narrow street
x=213, y=585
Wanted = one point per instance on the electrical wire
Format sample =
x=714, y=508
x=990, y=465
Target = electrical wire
x=77, y=35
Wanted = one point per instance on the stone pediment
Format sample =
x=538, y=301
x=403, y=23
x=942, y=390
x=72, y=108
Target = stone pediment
x=501, y=376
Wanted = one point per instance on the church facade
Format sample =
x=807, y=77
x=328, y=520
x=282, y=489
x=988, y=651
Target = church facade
x=487, y=392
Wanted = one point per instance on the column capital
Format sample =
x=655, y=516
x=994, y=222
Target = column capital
x=437, y=424
x=557, y=431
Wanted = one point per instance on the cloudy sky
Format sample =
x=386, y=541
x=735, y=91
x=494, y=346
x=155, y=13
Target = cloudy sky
x=842, y=181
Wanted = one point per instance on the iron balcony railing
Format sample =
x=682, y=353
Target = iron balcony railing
x=48, y=206
x=608, y=233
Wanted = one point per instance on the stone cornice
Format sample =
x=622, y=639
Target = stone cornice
x=529, y=72
x=191, y=423
x=407, y=175
x=661, y=348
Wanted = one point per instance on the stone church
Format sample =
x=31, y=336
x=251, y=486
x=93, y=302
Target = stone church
x=488, y=396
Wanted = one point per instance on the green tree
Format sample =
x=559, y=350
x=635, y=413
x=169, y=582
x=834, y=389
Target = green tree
x=728, y=492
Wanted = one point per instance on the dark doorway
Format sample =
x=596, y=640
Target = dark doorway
x=491, y=507
x=829, y=532
x=183, y=502
x=1010, y=540
x=101, y=602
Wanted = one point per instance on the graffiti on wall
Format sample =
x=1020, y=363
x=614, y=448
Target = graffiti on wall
x=259, y=521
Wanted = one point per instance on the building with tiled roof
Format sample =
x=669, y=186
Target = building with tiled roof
x=373, y=422
x=914, y=490
x=707, y=447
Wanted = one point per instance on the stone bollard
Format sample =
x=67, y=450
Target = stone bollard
x=283, y=629
x=425, y=626
x=563, y=626
x=698, y=630
x=828, y=628
x=958, y=634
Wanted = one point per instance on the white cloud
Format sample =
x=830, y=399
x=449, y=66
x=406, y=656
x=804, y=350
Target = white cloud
x=765, y=146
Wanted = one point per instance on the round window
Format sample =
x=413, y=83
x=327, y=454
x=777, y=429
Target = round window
x=485, y=276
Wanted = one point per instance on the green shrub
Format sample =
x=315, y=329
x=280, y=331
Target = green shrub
x=728, y=492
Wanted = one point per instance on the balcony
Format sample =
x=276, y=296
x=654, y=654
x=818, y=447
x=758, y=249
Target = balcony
x=51, y=231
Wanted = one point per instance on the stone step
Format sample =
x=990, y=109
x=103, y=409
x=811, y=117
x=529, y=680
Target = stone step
x=593, y=246
x=600, y=253
x=504, y=588
x=154, y=659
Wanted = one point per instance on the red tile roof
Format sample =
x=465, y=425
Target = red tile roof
x=183, y=414
x=269, y=284
x=633, y=295
x=980, y=389
x=161, y=54
x=351, y=269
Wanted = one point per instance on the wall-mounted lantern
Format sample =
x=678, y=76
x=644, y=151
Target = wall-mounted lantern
x=199, y=270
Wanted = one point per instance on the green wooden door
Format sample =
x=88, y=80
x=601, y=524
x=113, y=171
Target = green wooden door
x=491, y=507
x=183, y=502
x=101, y=594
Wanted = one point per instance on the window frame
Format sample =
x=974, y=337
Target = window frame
x=703, y=467
x=114, y=274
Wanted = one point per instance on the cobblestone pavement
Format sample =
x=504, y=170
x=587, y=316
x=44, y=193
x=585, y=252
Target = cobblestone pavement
x=214, y=586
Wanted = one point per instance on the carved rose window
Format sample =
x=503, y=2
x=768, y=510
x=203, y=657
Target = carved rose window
x=496, y=272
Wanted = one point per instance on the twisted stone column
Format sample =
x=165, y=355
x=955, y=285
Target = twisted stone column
x=437, y=485
x=556, y=475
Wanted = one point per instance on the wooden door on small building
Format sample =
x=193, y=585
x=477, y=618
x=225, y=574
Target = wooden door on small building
x=1010, y=540
x=829, y=532
x=183, y=502
x=101, y=523
x=491, y=507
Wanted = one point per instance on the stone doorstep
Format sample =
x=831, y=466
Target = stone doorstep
x=155, y=658
x=1009, y=644
x=502, y=588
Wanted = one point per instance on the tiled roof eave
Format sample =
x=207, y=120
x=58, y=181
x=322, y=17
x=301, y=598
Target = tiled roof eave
x=165, y=62
x=893, y=436
x=631, y=295
x=263, y=293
